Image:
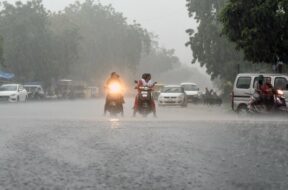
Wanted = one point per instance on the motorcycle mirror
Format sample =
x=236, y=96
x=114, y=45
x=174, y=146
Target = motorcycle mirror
x=135, y=81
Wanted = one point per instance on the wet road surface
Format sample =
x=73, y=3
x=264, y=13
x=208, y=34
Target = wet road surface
x=71, y=145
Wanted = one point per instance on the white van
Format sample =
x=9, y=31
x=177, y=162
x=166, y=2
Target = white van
x=192, y=91
x=244, y=87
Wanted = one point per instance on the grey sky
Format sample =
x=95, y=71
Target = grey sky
x=166, y=18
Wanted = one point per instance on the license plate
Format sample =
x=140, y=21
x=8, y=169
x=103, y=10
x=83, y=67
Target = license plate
x=144, y=94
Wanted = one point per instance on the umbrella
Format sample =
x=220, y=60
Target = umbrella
x=6, y=75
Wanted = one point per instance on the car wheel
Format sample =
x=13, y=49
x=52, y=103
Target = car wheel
x=242, y=110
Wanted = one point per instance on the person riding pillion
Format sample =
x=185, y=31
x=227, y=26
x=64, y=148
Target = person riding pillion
x=145, y=81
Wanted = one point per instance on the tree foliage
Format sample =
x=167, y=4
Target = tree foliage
x=107, y=41
x=259, y=28
x=209, y=48
x=86, y=41
x=31, y=49
x=159, y=60
x=24, y=29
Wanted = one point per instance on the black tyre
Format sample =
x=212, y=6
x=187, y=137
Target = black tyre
x=242, y=109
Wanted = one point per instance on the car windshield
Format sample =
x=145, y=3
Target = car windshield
x=31, y=88
x=8, y=88
x=172, y=90
x=189, y=87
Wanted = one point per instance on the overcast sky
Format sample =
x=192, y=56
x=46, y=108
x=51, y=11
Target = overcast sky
x=168, y=19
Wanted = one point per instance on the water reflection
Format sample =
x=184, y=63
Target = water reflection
x=114, y=123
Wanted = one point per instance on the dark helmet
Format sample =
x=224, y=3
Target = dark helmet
x=148, y=75
x=144, y=75
x=114, y=74
x=260, y=79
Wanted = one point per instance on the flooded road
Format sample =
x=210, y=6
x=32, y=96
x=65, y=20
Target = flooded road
x=71, y=145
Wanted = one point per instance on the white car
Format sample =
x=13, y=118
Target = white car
x=13, y=93
x=35, y=91
x=172, y=95
x=192, y=91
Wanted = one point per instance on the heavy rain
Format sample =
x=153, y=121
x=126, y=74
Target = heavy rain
x=143, y=95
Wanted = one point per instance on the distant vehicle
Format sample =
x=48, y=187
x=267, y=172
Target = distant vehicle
x=92, y=91
x=35, y=91
x=63, y=89
x=157, y=90
x=244, y=87
x=172, y=95
x=68, y=89
x=192, y=91
x=13, y=93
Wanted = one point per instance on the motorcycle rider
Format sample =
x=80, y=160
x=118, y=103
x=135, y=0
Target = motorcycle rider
x=114, y=78
x=144, y=81
x=267, y=91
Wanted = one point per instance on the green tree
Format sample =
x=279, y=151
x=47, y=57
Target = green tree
x=65, y=45
x=85, y=41
x=259, y=28
x=107, y=42
x=159, y=60
x=33, y=49
x=26, y=39
x=212, y=49
x=209, y=48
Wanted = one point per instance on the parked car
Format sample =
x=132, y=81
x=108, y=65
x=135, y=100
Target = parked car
x=172, y=95
x=244, y=87
x=13, y=93
x=192, y=91
x=35, y=91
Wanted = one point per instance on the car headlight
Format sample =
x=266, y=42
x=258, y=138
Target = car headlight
x=12, y=95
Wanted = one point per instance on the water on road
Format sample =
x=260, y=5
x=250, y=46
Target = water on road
x=71, y=145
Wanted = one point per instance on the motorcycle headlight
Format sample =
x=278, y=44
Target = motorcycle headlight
x=114, y=88
x=280, y=92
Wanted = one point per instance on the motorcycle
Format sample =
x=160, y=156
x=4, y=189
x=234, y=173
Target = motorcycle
x=277, y=104
x=144, y=99
x=115, y=99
